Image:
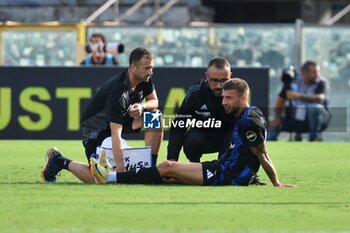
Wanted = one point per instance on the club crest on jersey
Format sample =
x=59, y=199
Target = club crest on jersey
x=251, y=136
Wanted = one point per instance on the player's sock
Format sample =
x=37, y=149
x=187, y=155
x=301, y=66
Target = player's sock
x=154, y=160
x=142, y=176
x=62, y=162
x=112, y=177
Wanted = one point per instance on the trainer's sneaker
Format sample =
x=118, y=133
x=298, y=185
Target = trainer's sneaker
x=103, y=161
x=100, y=173
x=50, y=170
x=255, y=180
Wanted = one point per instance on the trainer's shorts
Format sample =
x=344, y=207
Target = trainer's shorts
x=92, y=142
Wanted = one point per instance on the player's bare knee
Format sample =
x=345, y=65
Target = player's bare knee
x=165, y=165
x=165, y=168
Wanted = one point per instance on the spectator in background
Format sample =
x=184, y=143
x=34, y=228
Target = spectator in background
x=98, y=55
x=307, y=110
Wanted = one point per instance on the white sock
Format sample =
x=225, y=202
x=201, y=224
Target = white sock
x=112, y=177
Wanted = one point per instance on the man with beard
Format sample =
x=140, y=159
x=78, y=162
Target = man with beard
x=116, y=108
x=307, y=110
x=202, y=103
x=237, y=166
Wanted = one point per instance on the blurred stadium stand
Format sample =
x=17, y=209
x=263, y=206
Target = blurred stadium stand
x=188, y=34
x=218, y=11
x=72, y=11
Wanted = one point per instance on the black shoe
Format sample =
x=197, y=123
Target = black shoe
x=255, y=180
x=317, y=138
x=298, y=137
x=50, y=169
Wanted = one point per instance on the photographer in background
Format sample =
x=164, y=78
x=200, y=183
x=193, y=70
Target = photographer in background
x=307, y=110
x=100, y=53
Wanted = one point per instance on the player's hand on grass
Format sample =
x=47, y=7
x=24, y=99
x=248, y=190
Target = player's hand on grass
x=169, y=180
x=280, y=185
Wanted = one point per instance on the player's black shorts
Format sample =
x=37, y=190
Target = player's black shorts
x=212, y=173
x=91, y=144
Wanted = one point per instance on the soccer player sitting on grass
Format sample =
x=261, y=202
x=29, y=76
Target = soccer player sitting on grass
x=237, y=166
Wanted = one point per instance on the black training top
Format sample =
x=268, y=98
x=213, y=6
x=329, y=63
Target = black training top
x=111, y=104
x=201, y=104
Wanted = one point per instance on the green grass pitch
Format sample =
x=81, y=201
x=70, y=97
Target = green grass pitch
x=320, y=203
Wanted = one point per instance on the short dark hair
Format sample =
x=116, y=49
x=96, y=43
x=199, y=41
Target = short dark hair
x=138, y=53
x=306, y=66
x=99, y=35
x=237, y=84
x=219, y=62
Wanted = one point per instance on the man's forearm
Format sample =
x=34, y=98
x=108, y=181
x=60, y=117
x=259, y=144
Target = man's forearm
x=312, y=98
x=151, y=104
x=269, y=169
x=116, y=131
x=118, y=154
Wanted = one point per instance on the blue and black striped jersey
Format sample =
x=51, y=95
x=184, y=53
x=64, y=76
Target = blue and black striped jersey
x=249, y=131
